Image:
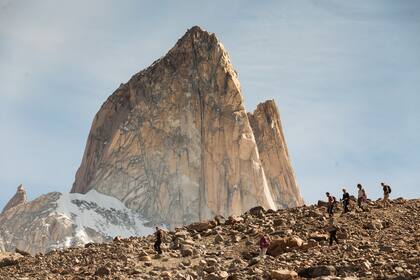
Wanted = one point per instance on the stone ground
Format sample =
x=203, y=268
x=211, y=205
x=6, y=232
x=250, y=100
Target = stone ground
x=381, y=242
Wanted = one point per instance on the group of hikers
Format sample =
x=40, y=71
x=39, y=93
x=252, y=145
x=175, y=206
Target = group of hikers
x=331, y=205
x=361, y=199
x=264, y=241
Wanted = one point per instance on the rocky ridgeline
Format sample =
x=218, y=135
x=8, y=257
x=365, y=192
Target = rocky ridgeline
x=379, y=243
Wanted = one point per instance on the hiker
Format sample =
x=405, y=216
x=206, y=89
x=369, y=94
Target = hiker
x=330, y=205
x=332, y=230
x=264, y=243
x=346, y=201
x=387, y=191
x=158, y=241
x=361, y=195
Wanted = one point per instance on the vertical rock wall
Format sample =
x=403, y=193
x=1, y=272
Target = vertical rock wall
x=175, y=142
x=265, y=122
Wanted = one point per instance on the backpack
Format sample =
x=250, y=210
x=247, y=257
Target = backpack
x=334, y=200
x=389, y=189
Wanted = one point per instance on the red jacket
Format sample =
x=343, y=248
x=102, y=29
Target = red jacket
x=264, y=243
x=330, y=200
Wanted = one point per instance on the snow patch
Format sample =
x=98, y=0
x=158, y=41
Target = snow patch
x=103, y=214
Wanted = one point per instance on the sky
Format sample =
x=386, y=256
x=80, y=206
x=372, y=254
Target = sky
x=345, y=75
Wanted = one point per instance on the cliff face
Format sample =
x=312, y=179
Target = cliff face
x=17, y=199
x=173, y=145
x=265, y=122
x=175, y=141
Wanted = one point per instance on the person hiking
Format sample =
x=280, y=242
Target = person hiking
x=346, y=201
x=387, y=191
x=264, y=243
x=332, y=230
x=330, y=205
x=361, y=195
x=158, y=242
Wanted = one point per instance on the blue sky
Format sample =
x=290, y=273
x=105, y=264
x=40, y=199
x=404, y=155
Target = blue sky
x=345, y=75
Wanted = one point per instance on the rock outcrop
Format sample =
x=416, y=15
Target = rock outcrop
x=268, y=132
x=176, y=144
x=230, y=250
x=17, y=199
x=57, y=221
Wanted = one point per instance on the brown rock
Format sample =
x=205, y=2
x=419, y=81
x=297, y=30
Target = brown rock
x=281, y=245
x=145, y=258
x=102, y=271
x=220, y=220
x=17, y=199
x=283, y=274
x=202, y=226
x=218, y=239
x=234, y=220
x=187, y=251
x=257, y=211
x=268, y=131
x=318, y=236
x=175, y=141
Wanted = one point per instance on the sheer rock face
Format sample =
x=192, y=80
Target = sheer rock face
x=265, y=122
x=175, y=141
x=17, y=199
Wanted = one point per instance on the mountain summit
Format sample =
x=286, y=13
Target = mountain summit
x=17, y=199
x=176, y=143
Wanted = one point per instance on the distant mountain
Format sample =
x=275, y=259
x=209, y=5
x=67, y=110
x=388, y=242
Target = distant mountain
x=56, y=220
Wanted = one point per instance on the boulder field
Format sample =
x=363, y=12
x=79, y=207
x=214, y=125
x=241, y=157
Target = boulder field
x=381, y=242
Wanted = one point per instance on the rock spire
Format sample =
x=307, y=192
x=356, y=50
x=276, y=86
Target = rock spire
x=17, y=199
x=176, y=143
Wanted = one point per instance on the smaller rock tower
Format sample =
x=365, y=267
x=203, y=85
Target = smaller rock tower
x=17, y=199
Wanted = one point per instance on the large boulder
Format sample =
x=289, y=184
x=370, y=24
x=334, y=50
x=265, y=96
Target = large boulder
x=283, y=274
x=202, y=226
x=279, y=246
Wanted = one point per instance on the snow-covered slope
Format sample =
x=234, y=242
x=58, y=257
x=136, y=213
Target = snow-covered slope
x=58, y=220
x=104, y=214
